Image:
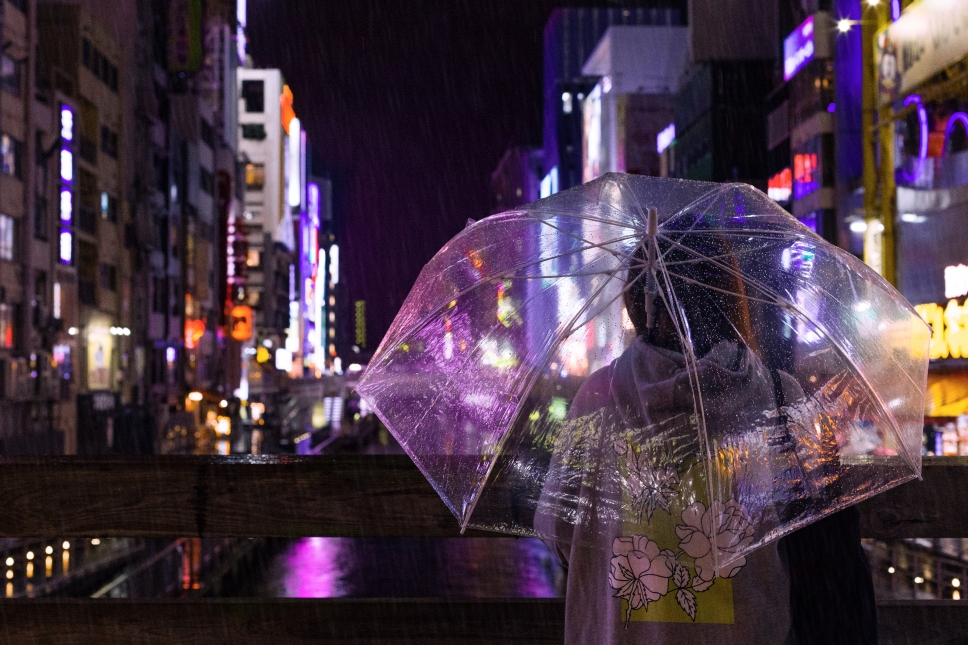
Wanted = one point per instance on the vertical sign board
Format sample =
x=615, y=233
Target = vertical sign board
x=928, y=37
x=798, y=49
x=184, y=35
x=66, y=198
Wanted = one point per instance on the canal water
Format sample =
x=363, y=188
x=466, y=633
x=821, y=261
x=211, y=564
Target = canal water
x=320, y=567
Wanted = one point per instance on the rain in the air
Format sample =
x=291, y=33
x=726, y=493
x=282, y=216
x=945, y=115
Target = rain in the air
x=592, y=322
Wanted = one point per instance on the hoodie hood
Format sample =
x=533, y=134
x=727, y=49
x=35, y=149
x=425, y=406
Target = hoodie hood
x=651, y=384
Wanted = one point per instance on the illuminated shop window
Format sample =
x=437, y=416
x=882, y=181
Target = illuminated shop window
x=255, y=176
x=7, y=237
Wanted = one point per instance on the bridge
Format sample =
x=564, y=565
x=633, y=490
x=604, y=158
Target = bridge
x=344, y=496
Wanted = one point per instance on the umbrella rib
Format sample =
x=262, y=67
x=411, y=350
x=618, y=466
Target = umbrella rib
x=779, y=302
x=725, y=267
x=504, y=275
x=527, y=387
x=589, y=218
x=692, y=374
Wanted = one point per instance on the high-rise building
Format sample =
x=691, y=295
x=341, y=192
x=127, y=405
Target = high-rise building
x=570, y=37
x=273, y=147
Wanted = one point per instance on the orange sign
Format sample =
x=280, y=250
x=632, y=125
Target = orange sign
x=194, y=330
x=241, y=322
x=285, y=104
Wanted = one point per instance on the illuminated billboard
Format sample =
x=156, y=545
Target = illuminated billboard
x=798, y=49
x=806, y=176
x=779, y=188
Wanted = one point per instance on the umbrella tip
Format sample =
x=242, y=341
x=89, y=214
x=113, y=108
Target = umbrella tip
x=653, y=228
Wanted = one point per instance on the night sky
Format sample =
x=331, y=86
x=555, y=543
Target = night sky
x=410, y=106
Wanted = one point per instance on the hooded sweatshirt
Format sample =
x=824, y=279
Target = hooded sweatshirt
x=640, y=562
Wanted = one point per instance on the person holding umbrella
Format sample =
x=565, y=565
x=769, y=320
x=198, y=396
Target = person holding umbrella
x=646, y=589
x=676, y=385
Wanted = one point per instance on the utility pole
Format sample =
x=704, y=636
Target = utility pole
x=880, y=242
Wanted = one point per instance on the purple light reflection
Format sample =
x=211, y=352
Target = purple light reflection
x=895, y=9
x=313, y=569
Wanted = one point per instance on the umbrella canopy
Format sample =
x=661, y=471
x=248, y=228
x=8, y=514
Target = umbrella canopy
x=681, y=362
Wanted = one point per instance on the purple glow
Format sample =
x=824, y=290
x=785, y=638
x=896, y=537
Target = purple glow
x=895, y=12
x=798, y=49
x=923, y=141
x=314, y=569
x=832, y=108
x=952, y=120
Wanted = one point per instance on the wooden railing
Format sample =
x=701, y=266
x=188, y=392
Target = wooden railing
x=344, y=496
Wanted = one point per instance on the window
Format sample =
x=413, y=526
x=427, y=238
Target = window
x=207, y=181
x=253, y=93
x=7, y=237
x=254, y=131
x=255, y=176
x=208, y=134
x=11, y=150
x=99, y=65
x=40, y=217
x=7, y=326
x=109, y=277
x=10, y=74
x=158, y=295
x=109, y=207
x=109, y=142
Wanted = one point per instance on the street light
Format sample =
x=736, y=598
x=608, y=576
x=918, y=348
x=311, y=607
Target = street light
x=843, y=25
x=195, y=396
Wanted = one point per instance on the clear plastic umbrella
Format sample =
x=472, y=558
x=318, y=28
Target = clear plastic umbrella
x=675, y=362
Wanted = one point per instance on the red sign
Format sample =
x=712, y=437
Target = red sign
x=780, y=186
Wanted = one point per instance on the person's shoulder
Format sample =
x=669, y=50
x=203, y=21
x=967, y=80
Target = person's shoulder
x=792, y=391
x=593, y=393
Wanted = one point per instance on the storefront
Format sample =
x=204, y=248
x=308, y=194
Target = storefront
x=917, y=56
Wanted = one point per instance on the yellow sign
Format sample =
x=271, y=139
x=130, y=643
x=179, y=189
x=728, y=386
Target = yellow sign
x=262, y=355
x=99, y=347
x=949, y=329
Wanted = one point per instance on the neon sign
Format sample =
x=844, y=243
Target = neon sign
x=922, y=141
x=665, y=138
x=949, y=329
x=798, y=49
x=805, y=179
x=66, y=206
x=955, y=281
x=780, y=186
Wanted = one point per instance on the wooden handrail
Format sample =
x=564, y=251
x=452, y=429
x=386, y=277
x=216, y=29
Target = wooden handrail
x=338, y=496
x=343, y=620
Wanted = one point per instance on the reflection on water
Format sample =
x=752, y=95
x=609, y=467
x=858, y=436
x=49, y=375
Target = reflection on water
x=427, y=568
